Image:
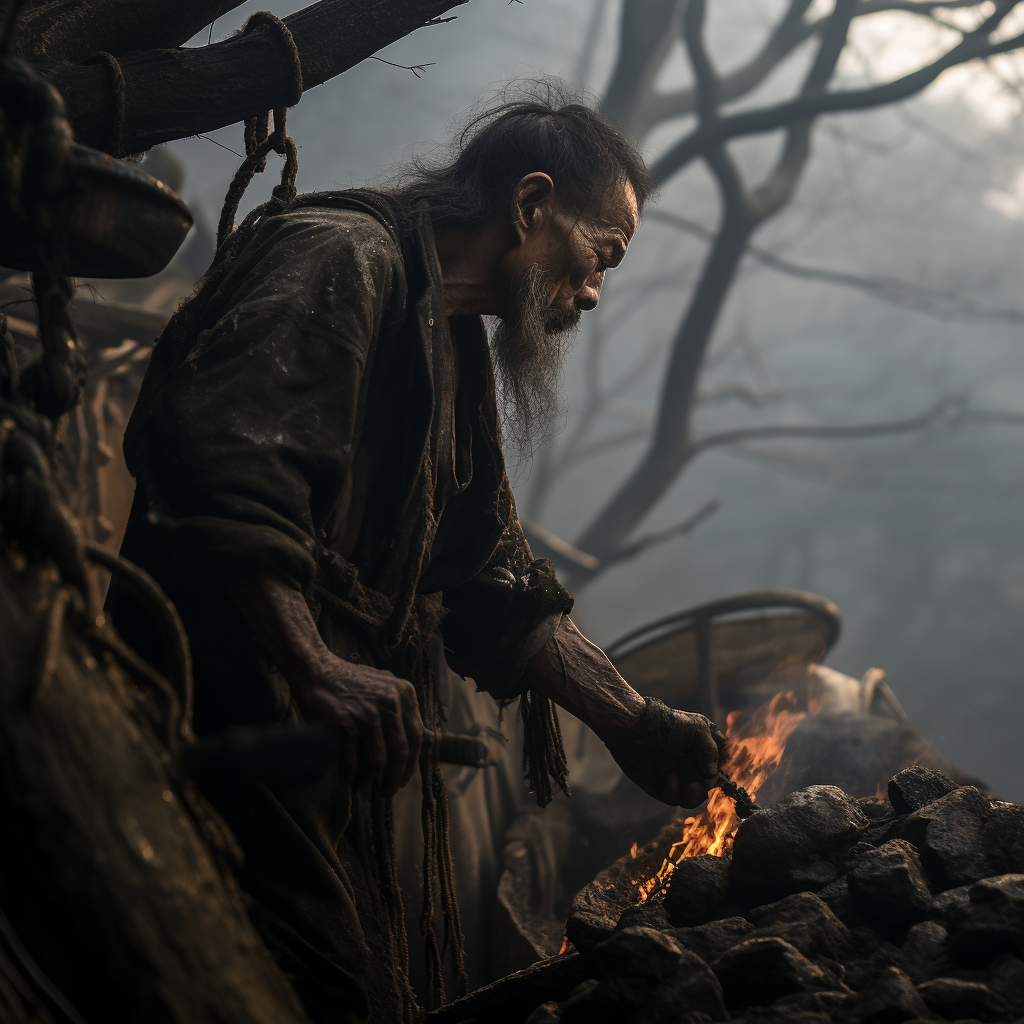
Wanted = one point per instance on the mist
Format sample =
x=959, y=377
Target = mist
x=916, y=536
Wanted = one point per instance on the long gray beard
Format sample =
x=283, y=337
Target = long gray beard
x=529, y=348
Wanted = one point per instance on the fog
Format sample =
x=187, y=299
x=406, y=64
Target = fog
x=915, y=536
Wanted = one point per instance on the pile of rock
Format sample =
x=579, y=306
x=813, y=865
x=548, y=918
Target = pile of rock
x=828, y=909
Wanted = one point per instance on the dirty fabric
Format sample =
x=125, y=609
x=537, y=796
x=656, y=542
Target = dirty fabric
x=326, y=423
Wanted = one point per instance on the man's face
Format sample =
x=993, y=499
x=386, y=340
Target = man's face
x=555, y=275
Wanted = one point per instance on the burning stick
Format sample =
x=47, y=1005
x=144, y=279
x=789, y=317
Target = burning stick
x=745, y=805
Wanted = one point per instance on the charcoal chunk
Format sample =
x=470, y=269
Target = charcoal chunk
x=925, y=951
x=949, y=834
x=812, y=1002
x=636, y=960
x=872, y=954
x=805, y=922
x=889, y=999
x=699, y=886
x=1004, y=838
x=876, y=808
x=649, y=914
x=792, y=846
x=956, y=999
x=546, y=1013
x=916, y=787
x=761, y=970
x=586, y=929
x=590, y=1003
x=691, y=986
x=948, y=904
x=1006, y=979
x=991, y=922
x=711, y=940
x=889, y=887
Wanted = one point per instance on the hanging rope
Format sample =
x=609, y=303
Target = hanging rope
x=259, y=140
x=120, y=90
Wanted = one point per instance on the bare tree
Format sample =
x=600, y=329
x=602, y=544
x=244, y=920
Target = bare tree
x=648, y=30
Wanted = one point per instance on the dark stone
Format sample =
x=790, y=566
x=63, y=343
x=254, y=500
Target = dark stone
x=872, y=955
x=590, y=1003
x=956, y=999
x=812, y=1002
x=992, y=920
x=1005, y=976
x=710, y=941
x=836, y=896
x=792, y=845
x=761, y=970
x=889, y=887
x=916, y=787
x=949, y=903
x=585, y=929
x=890, y=998
x=1004, y=838
x=699, y=886
x=925, y=951
x=546, y=1013
x=649, y=914
x=949, y=834
x=805, y=922
x=635, y=960
x=875, y=808
x=692, y=986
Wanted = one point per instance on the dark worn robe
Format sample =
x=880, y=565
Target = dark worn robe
x=320, y=419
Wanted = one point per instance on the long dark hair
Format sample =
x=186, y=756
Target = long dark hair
x=545, y=126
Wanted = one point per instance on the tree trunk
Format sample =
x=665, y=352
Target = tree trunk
x=105, y=868
x=176, y=93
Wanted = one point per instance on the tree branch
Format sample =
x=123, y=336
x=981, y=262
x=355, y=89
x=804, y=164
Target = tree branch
x=903, y=294
x=68, y=31
x=688, y=525
x=936, y=412
x=177, y=93
x=974, y=45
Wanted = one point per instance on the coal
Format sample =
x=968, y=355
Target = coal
x=956, y=999
x=889, y=887
x=709, y=941
x=635, y=960
x=793, y=845
x=916, y=787
x=760, y=970
x=891, y=998
x=692, y=986
x=805, y=922
x=699, y=886
x=925, y=951
x=991, y=921
x=868, y=911
x=962, y=837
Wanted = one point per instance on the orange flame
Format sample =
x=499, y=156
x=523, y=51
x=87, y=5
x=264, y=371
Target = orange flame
x=757, y=742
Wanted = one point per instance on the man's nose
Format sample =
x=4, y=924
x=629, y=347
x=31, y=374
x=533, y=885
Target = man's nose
x=587, y=297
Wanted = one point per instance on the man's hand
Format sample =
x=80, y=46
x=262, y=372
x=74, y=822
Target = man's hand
x=376, y=713
x=672, y=755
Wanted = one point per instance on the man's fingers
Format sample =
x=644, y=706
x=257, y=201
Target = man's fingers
x=412, y=725
x=396, y=747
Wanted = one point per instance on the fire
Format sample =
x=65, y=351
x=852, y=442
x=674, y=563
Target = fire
x=757, y=742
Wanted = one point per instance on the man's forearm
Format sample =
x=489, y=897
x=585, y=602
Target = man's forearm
x=578, y=676
x=280, y=617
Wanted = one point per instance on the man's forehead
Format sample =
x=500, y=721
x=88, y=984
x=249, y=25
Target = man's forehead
x=619, y=212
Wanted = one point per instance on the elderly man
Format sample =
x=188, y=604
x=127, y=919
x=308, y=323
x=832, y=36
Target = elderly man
x=321, y=491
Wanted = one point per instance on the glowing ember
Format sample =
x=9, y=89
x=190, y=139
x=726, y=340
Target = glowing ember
x=756, y=745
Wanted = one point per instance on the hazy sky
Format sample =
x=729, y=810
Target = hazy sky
x=916, y=538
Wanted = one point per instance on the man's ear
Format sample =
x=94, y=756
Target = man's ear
x=531, y=201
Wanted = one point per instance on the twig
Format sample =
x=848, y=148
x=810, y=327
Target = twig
x=680, y=529
x=418, y=70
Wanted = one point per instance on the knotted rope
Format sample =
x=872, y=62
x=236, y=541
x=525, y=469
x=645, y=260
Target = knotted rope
x=259, y=140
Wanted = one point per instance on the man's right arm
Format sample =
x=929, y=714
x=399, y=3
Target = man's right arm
x=375, y=712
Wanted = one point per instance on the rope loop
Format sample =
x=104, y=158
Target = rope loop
x=115, y=145
x=259, y=140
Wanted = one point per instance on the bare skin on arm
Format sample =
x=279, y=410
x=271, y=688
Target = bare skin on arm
x=578, y=676
x=375, y=712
